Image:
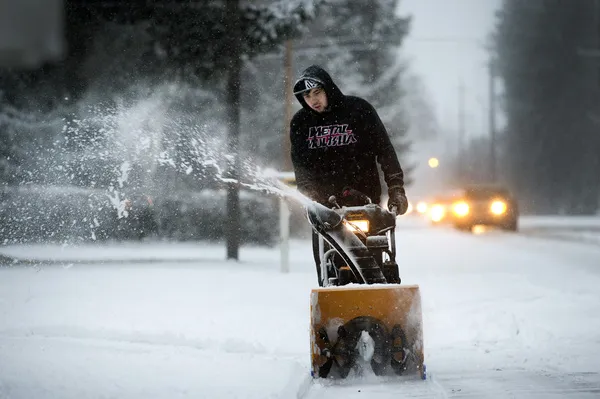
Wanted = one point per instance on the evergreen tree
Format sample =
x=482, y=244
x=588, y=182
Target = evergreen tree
x=112, y=45
x=548, y=94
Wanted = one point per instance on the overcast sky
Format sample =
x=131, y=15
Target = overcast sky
x=445, y=45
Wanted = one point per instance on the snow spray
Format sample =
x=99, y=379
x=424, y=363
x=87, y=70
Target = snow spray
x=134, y=142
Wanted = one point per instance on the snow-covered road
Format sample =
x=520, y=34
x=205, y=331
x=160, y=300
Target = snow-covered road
x=505, y=316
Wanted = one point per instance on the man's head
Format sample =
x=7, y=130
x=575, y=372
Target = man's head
x=313, y=93
x=316, y=91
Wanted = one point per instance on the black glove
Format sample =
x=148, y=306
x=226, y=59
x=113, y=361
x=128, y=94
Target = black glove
x=398, y=200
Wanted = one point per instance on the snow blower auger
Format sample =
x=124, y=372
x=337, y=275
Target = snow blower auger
x=361, y=315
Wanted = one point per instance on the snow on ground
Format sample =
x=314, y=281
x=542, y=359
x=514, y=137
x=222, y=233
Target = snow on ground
x=565, y=222
x=504, y=316
x=573, y=228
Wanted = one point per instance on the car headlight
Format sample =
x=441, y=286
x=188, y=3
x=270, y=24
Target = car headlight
x=498, y=207
x=460, y=209
x=357, y=226
x=437, y=213
x=422, y=207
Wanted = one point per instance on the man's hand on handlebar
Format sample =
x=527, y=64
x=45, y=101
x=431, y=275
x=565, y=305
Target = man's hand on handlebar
x=397, y=202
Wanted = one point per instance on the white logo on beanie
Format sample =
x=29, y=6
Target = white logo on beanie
x=310, y=84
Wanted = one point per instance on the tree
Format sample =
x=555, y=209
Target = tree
x=550, y=139
x=421, y=113
x=204, y=43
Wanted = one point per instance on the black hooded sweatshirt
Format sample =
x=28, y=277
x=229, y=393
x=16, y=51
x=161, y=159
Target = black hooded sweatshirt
x=340, y=147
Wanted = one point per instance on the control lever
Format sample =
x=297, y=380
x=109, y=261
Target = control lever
x=333, y=200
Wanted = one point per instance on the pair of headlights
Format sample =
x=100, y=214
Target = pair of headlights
x=462, y=209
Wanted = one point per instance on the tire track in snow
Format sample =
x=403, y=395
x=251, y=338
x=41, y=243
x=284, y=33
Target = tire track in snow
x=525, y=384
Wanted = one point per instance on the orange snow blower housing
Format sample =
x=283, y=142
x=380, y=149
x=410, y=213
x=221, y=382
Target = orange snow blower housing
x=362, y=317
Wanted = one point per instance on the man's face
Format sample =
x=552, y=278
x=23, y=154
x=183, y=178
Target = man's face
x=316, y=99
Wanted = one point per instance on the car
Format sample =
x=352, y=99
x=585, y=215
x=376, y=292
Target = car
x=485, y=204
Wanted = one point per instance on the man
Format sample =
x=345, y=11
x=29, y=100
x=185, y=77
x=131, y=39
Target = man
x=337, y=141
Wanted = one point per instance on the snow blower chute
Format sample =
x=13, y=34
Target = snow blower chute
x=361, y=315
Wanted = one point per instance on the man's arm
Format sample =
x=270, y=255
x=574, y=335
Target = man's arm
x=385, y=152
x=390, y=165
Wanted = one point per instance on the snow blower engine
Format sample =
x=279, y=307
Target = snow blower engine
x=361, y=316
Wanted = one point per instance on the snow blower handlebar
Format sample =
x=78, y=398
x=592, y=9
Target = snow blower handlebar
x=331, y=226
x=323, y=218
x=350, y=192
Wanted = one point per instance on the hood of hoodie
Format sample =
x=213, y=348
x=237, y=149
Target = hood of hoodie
x=314, y=72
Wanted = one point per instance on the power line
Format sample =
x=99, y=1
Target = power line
x=443, y=39
x=332, y=48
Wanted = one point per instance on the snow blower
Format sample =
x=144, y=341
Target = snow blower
x=361, y=315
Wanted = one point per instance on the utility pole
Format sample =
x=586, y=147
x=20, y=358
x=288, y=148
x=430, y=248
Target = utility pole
x=492, y=119
x=286, y=160
x=461, y=129
x=372, y=18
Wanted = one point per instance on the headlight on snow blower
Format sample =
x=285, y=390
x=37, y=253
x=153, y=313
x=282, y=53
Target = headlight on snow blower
x=356, y=225
x=498, y=207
